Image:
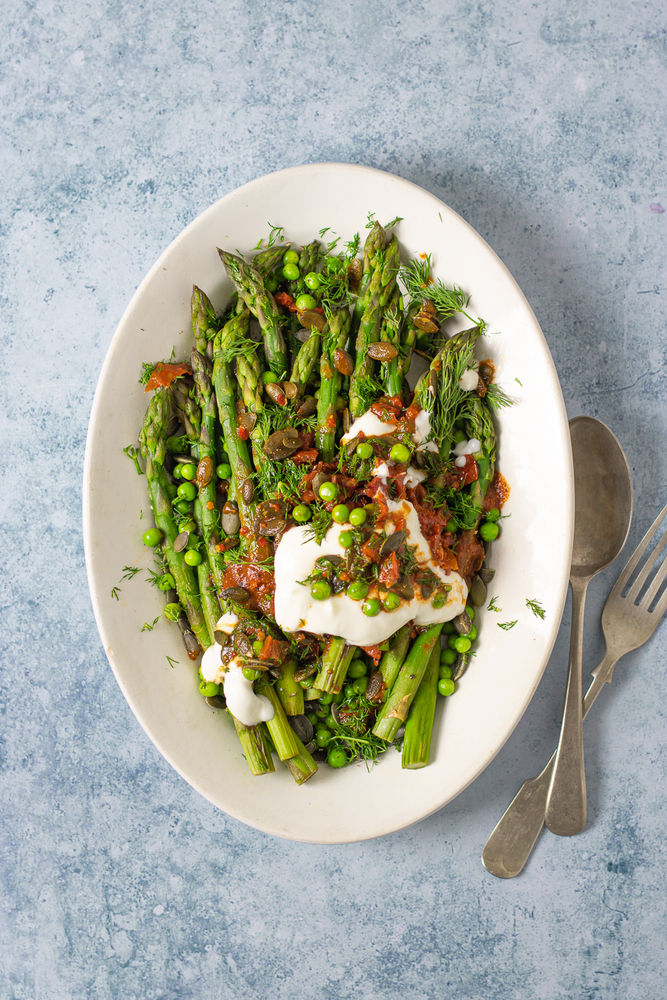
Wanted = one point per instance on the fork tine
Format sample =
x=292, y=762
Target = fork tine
x=646, y=570
x=656, y=584
x=630, y=566
x=660, y=607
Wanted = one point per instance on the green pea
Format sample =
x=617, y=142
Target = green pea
x=446, y=687
x=304, y=302
x=224, y=471
x=364, y=449
x=320, y=590
x=291, y=257
x=187, y=491
x=346, y=539
x=271, y=284
x=493, y=514
x=333, y=263
x=172, y=612
x=472, y=634
x=448, y=657
x=312, y=280
x=166, y=582
x=251, y=673
x=349, y=690
x=323, y=736
x=459, y=436
x=152, y=537
x=399, y=453
x=183, y=506
x=192, y=557
x=439, y=600
x=451, y=526
x=357, y=590
x=445, y=672
x=326, y=698
x=391, y=602
x=291, y=272
x=341, y=513
x=358, y=516
x=470, y=611
x=312, y=718
x=328, y=491
x=371, y=607
x=360, y=685
x=301, y=513
x=269, y=377
x=337, y=757
x=356, y=669
x=188, y=525
x=461, y=644
x=305, y=683
x=448, y=628
x=488, y=531
x=189, y=470
x=209, y=689
x=178, y=470
x=257, y=646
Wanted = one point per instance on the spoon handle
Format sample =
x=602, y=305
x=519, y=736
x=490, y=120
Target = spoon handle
x=565, y=813
x=510, y=845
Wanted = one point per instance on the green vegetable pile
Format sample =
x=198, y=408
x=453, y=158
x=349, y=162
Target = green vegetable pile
x=242, y=441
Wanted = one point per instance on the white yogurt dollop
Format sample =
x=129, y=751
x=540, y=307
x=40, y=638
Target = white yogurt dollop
x=370, y=425
x=339, y=615
x=469, y=379
x=246, y=706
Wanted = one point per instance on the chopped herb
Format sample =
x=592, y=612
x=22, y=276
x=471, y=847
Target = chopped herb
x=507, y=625
x=394, y=221
x=146, y=372
x=496, y=398
x=133, y=454
x=492, y=606
x=115, y=592
x=172, y=662
x=129, y=572
x=519, y=381
x=536, y=608
x=149, y=626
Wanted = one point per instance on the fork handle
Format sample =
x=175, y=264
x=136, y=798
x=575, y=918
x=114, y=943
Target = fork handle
x=510, y=845
x=566, y=801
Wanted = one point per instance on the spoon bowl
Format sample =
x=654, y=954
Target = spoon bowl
x=602, y=496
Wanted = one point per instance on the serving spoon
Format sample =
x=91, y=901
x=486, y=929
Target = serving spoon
x=602, y=515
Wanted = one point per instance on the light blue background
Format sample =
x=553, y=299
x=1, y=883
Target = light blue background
x=541, y=124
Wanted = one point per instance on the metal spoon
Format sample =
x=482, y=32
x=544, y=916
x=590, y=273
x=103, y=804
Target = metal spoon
x=602, y=515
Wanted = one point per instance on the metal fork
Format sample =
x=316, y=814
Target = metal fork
x=628, y=620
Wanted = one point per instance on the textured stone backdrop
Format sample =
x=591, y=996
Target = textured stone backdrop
x=542, y=124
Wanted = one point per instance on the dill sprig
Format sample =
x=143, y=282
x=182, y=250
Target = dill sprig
x=507, y=625
x=319, y=524
x=149, y=626
x=146, y=372
x=536, y=608
x=492, y=606
x=115, y=591
x=419, y=284
x=129, y=572
x=172, y=662
x=497, y=398
x=133, y=454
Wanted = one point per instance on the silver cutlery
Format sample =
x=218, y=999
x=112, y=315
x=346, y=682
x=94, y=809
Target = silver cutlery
x=631, y=615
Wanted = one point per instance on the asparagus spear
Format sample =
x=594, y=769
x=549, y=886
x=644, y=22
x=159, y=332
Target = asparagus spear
x=225, y=394
x=204, y=323
x=152, y=442
x=303, y=765
x=392, y=660
x=283, y=736
x=419, y=723
x=390, y=332
x=206, y=450
x=395, y=710
x=306, y=361
x=375, y=242
x=267, y=260
x=335, y=338
x=261, y=303
x=378, y=293
x=335, y=661
x=290, y=691
x=479, y=425
x=255, y=747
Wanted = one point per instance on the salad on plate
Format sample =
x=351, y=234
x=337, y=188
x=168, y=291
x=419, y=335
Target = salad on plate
x=322, y=476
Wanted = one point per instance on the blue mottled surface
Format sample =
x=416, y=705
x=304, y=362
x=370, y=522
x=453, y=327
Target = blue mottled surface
x=542, y=124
